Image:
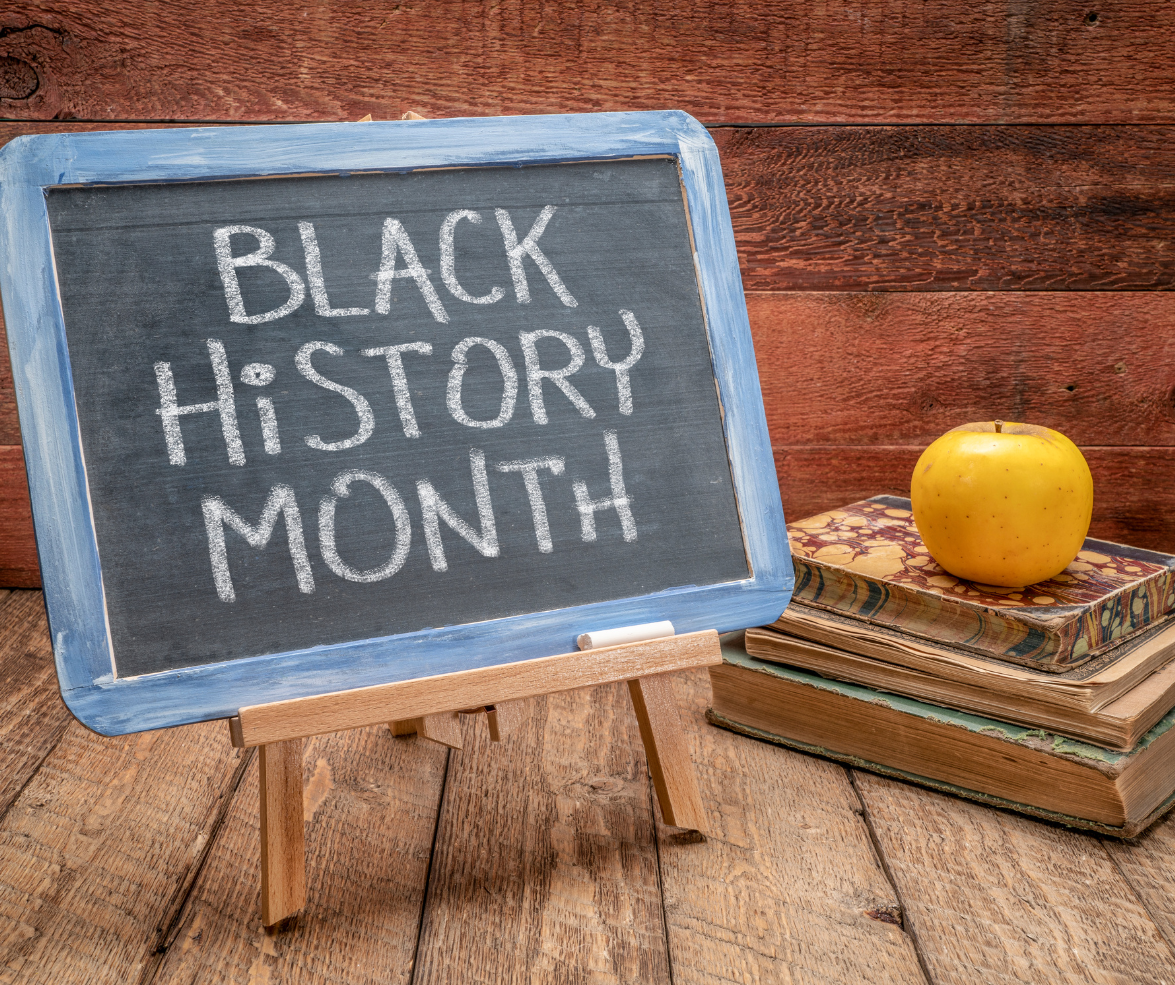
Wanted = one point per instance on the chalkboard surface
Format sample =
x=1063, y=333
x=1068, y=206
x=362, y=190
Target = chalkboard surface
x=306, y=409
x=330, y=408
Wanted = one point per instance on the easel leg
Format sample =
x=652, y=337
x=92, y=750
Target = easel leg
x=503, y=718
x=666, y=749
x=283, y=846
x=444, y=728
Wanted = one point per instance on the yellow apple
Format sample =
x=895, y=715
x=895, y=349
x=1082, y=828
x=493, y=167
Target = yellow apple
x=1002, y=504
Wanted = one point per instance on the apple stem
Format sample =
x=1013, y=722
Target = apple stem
x=999, y=427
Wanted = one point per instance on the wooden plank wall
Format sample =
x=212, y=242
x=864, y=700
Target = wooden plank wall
x=946, y=210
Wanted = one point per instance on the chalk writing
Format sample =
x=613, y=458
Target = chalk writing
x=435, y=511
x=326, y=409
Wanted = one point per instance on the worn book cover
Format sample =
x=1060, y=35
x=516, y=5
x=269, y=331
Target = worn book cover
x=988, y=760
x=1087, y=687
x=1033, y=701
x=867, y=561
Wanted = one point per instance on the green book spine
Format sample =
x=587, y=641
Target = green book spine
x=1030, y=746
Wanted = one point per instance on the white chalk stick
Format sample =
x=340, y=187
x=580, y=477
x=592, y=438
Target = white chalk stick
x=625, y=634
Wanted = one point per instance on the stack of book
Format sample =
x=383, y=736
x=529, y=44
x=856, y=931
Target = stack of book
x=1055, y=700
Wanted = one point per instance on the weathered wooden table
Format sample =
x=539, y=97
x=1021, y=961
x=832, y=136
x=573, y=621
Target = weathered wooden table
x=539, y=859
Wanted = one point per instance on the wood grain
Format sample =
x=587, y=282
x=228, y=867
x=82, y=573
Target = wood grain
x=786, y=887
x=101, y=847
x=952, y=208
x=1146, y=863
x=1132, y=487
x=666, y=750
x=1022, y=900
x=545, y=868
x=850, y=427
x=901, y=369
x=370, y=804
x=742, y=61
x=32, y=715
x=402, y=700
x=283, y=847
x=18, y=549
x=9, y=424
x=504, y=718
x=444, y=728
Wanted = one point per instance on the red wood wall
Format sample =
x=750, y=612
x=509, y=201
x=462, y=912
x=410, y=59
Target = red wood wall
x=946, y=210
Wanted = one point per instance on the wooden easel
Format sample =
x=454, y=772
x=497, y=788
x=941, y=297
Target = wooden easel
x=429, y=707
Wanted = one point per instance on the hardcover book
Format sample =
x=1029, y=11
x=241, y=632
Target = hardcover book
x=984, y=759
x=867, y=561
x=1088, y=687
x=1111, y=700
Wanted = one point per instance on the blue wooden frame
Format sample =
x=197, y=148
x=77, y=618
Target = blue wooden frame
x=66, y=545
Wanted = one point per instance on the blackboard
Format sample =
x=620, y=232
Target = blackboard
x=314, y=408
x=149, y=319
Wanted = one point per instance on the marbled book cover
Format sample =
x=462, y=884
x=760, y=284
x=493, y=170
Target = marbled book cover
x=866, y=560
